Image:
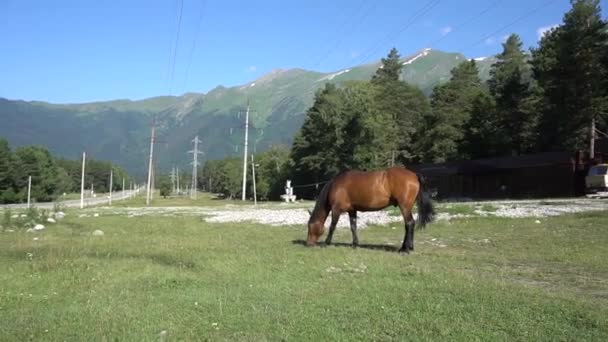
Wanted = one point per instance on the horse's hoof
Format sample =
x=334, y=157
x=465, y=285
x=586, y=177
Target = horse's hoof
x=404, y=251
x=355, y=245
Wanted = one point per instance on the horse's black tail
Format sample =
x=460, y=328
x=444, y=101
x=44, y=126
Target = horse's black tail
x=426, y=212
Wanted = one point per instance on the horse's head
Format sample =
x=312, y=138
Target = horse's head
x=316, y=228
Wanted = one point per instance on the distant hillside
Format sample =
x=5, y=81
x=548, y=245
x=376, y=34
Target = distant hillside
x=119, y=130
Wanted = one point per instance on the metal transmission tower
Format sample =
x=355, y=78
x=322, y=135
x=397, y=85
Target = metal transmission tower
x=172, y=174
x=245, y=152
x=195, y=164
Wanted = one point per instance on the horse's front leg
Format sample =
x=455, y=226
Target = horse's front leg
x=335, y=216
x=352, y=215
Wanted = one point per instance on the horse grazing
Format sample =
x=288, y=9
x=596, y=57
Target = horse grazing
x=353, y=191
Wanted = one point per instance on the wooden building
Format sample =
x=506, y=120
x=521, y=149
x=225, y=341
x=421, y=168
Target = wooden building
x=552, y=174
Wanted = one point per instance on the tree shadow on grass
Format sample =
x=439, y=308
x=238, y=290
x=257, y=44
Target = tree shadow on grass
x=374, y=247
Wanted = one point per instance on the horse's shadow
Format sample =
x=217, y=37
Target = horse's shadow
x=387, y=248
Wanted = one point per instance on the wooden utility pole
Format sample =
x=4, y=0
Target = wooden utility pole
x=244, y=191
x=29, y=191
x=177, y=175
x=255, y=195
x=82, y=182
x=111, y=176
x=592, y=140
x=148, y=188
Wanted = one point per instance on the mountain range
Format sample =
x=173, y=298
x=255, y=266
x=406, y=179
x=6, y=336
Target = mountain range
x=119, y=130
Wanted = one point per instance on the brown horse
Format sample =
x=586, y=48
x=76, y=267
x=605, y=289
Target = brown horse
x=353, y=191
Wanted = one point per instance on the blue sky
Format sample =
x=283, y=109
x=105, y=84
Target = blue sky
x=79, y=51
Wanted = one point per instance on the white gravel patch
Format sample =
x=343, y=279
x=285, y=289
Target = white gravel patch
x=547, y=208
x=281, y=217
x=278, y=214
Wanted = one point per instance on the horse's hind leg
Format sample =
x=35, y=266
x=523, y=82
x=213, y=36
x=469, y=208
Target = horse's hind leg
x=410, y=223
x=335, y=216
x=352, y=215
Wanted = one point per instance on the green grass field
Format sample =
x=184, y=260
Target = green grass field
x=181, y=279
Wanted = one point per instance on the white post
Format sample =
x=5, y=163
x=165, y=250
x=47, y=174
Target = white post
x=123, y=187
x=255, y=195
x=150, y=167
x=29, y=190
x=111, y=175
x=177, y=172
x=245, y=154
x=82, y=182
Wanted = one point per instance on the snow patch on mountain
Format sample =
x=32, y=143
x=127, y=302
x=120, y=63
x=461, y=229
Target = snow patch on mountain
x=332, y=76
x=421, y=54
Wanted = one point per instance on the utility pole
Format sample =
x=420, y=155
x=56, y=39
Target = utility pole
x=153, y=186
x=592, y=140
x=82, y=182
x=111, y=176
x=245, y=153
x=195, y=164
x=255, y=195
x=29, y=190
x=148, y=188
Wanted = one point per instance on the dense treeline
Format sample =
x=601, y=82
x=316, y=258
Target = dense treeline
x=545, y=99
x=50, y=177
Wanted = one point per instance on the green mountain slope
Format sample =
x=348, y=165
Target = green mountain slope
x=119, y=130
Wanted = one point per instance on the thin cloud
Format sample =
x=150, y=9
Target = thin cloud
x=252, y=68
x=355, y=54
x=541, y=31
x=445, y=30
x=490, y=41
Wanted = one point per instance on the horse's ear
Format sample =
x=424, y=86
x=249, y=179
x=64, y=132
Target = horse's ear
x=309, y=212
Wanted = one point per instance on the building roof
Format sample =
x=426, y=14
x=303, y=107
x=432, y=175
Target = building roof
x=492, y=165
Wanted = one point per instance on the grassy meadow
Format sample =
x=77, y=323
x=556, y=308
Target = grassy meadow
x=180, y=279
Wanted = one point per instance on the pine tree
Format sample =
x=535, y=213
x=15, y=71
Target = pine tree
x=510, y=84
x=452, y=106
x=401, y=106
x=570, y=67
x=314, y=151
x=390, y=70
x=481, y=133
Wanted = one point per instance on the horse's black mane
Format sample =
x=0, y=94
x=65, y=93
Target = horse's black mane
x=322, y=198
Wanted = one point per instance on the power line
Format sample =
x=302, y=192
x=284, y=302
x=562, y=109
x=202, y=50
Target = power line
x=369, y=52
x=193, y=47
x=517, y=20
x=172, y=62
x=466, y=22
x=334, y=43
x=423, y=11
